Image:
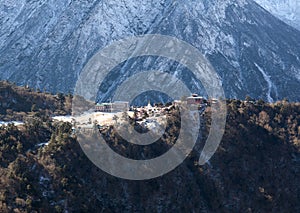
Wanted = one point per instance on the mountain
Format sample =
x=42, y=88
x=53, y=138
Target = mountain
x=286, y=10
x=46, y=44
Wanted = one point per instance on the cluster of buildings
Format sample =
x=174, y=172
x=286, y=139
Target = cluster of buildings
x=147, y=116
x=121, y=106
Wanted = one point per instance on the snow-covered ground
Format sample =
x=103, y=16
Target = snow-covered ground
x=87, y=120
x=286, y=10
x=156, y=124
x=16, y=123
x=42, y=144
x=101, y=118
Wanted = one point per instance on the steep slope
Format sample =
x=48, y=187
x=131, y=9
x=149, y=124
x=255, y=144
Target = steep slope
x=47, y=43
x=286, y=10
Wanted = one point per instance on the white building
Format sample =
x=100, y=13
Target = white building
x=117, y=106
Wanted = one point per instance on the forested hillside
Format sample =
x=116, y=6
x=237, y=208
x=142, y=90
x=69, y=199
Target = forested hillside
x=255, y=169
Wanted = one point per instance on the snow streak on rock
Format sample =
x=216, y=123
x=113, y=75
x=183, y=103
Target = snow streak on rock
x=268, y=80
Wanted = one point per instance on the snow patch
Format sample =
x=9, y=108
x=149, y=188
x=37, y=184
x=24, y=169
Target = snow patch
x=268, y=80
x=16, y=123
x=42, y=144
x=286, y=10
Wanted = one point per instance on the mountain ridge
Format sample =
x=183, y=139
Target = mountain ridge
x=47, y=44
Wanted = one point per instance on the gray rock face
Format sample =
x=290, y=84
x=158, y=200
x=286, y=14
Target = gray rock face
x=47, y=43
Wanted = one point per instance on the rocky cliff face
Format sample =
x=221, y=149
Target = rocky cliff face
x=47, y=43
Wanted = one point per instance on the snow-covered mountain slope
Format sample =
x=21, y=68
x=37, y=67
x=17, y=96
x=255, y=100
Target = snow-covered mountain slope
x=286, y=10
x=47, y=43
